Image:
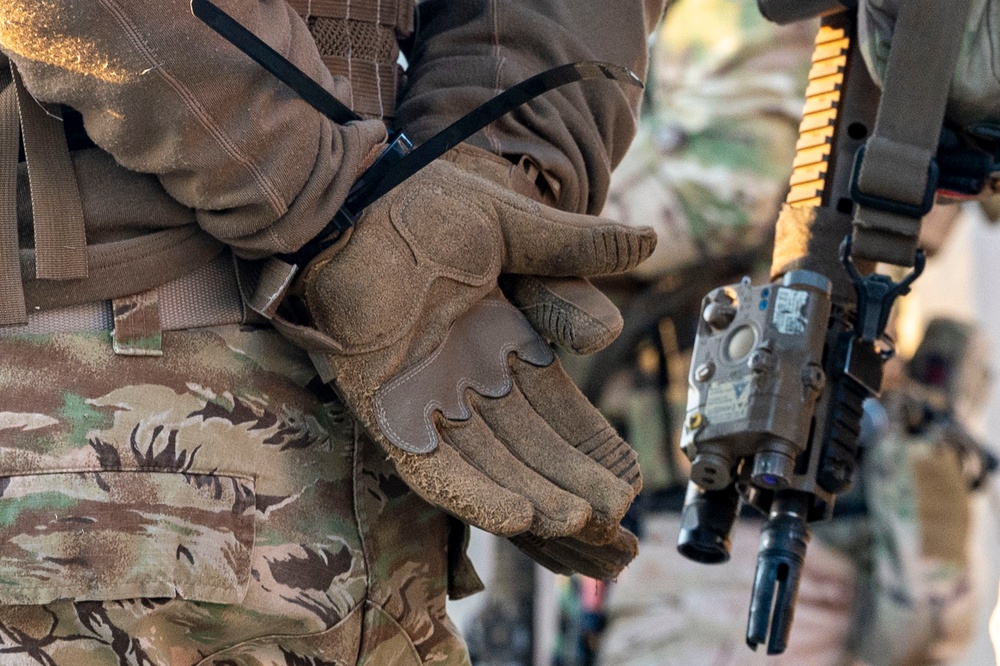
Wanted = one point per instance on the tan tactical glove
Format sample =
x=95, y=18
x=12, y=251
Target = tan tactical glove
x=578, y=317
x=451, y=380
x=575, y=315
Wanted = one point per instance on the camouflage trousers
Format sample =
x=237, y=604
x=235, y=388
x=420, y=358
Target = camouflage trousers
x=214, y=506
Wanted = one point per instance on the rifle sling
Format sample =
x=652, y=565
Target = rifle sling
x=899, y=154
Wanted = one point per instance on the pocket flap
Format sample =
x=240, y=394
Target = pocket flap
x=125, y=535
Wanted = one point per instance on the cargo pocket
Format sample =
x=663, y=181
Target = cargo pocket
x=125, y=535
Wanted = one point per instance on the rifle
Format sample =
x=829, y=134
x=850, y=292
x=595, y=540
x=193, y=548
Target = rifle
x=780, y=371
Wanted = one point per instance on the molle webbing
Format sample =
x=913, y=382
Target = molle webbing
x=357, y=39
x=207, y=295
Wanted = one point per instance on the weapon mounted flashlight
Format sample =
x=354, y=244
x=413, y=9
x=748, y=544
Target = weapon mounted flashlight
x=780, y=371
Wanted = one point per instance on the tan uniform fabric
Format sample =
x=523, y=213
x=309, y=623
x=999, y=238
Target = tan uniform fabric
x=574, y=136
x=12, y=306
x=669, y=611
x=157, y=90
x=60, y=237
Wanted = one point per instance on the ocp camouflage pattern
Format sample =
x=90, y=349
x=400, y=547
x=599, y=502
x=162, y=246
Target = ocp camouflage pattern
x=716, y=140
x=213, y=506
x=975, y=87
x=919, y=602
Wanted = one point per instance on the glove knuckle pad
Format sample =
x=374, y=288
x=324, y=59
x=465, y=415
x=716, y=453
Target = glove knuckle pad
x=396, y=252
x=458, y=234
x=340, y=298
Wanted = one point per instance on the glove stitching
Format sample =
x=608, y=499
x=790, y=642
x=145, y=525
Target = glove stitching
x=464, y=382
x=571, y=311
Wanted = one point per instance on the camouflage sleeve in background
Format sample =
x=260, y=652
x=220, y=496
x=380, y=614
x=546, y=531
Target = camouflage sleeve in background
x=918, y=604
x=975, y=88
x=715, y=145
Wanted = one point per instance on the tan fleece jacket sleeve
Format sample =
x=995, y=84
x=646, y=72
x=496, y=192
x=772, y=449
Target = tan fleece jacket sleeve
x=466, y=52
x=165, y=95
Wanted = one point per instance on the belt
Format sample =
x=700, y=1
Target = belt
x=209, y=296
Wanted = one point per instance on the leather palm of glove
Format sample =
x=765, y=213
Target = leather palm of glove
x=450, y=379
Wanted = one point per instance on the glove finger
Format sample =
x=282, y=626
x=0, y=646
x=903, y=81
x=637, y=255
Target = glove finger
x=533, y=547
x=570, y=554
x=553, y=395
x=446, y=480
x=528, y=437
x=545, y=241
x=570, y=312
x=556, y=512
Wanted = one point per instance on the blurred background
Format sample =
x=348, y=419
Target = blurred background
x=906, y=572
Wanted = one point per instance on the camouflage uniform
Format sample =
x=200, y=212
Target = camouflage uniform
x=216, y=505
x=714, y=150
x=915, y=588
x=219, y=505
x=975, y=89
x=222, y=508
x=668, y=611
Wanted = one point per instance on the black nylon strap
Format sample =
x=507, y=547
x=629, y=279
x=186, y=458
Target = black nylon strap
x=480, y=117
x=274, y=62
x=397, y=163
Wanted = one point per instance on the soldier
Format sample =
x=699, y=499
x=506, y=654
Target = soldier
x=177, y=484
x=915, y=599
